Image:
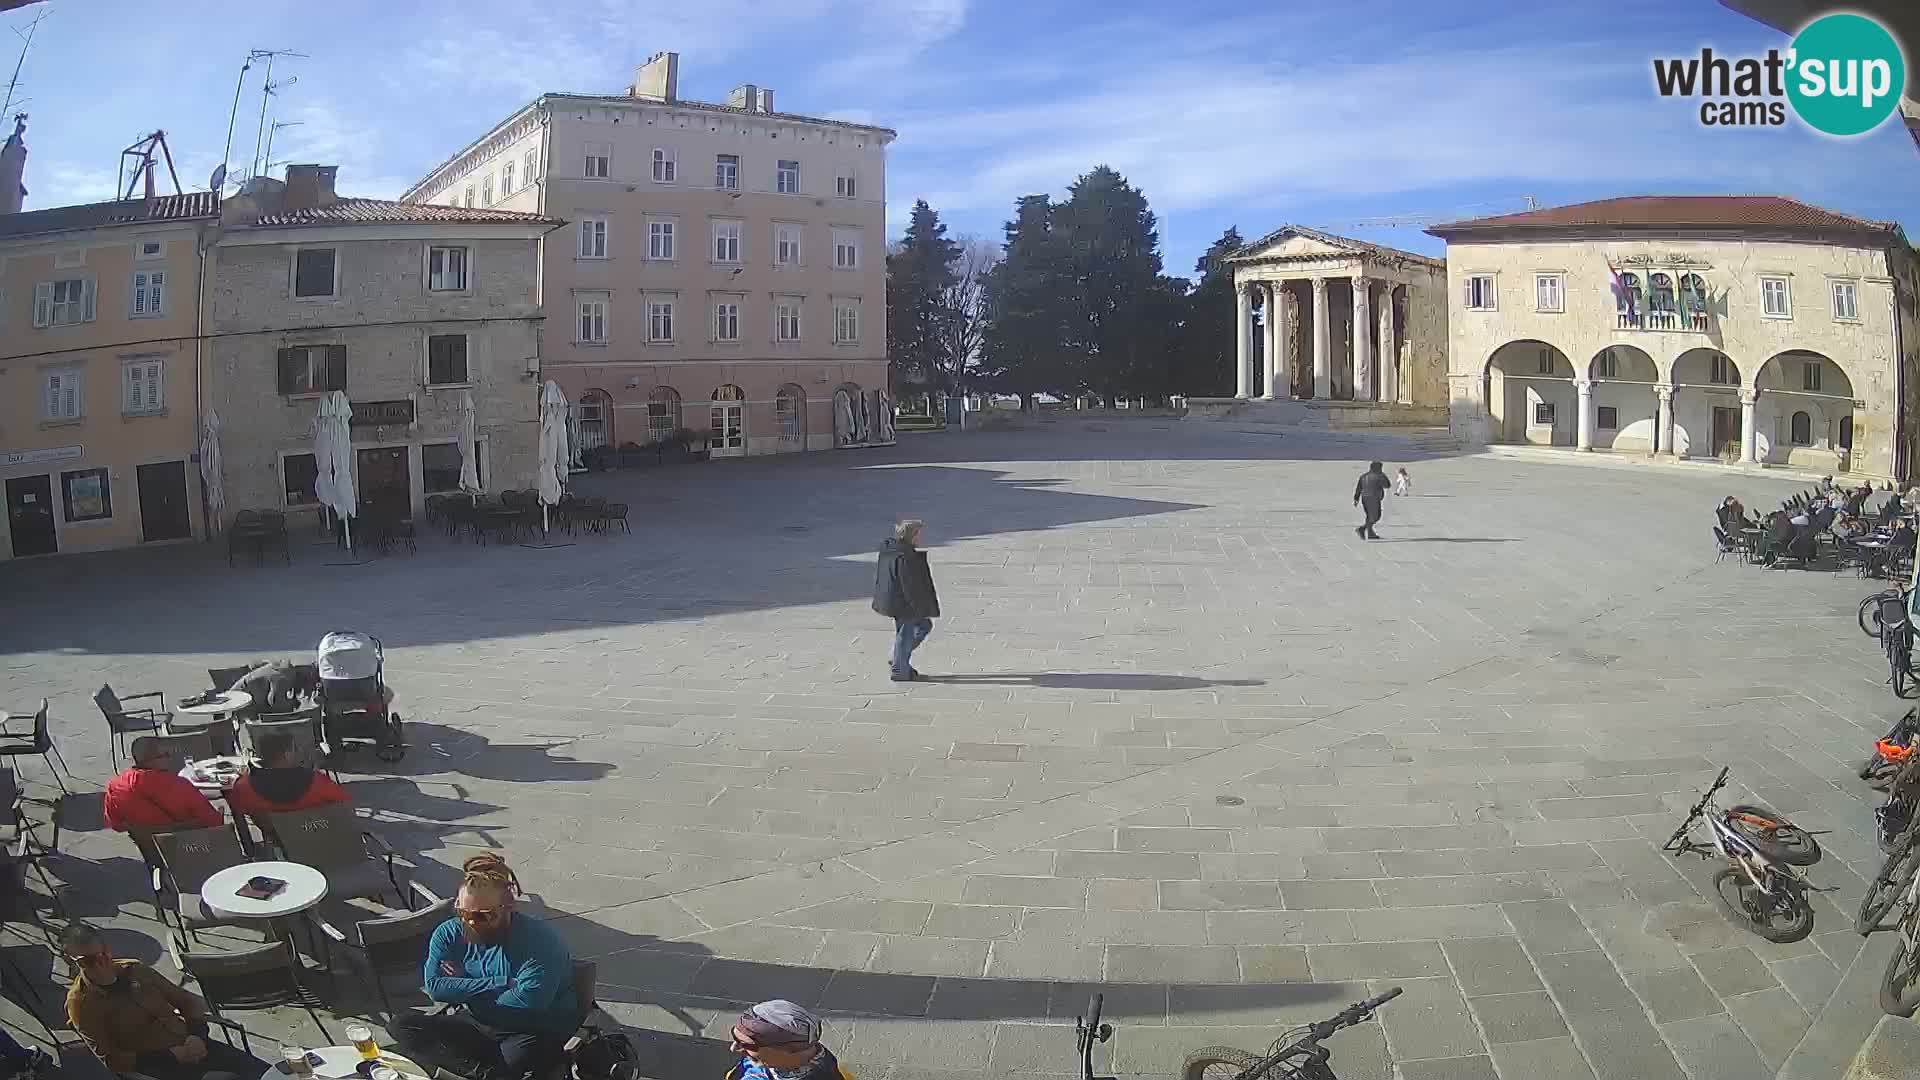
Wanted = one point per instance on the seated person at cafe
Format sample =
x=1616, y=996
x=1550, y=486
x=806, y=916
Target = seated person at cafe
x=1732, y=515
x=511, y=974
x=778, y=1040
x=278, y=685
x=279, y=783
x=135, y=1020
x=153, y=795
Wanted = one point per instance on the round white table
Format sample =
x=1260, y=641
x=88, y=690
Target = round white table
x=340, y=1062
x=226, y=701
x=305, y=888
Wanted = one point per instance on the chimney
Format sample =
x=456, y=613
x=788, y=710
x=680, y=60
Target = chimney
x=659, y=77
x=310, y=187
x=751, y=98
x=766, y=101
x=13, y=167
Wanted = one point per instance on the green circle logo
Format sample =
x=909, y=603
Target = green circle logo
x=1846, y=74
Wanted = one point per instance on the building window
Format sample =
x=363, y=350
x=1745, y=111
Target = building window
x=786, y=320
x=1810, y=376
x=786, y=178
x=1693, y=300
x=1543, y=414
x=846, y=249
x=726, y=321
x=593, y=238
x=531, y=161
x=63, y=397
x=846, y=185
x=143, y=387
x=663, y=413
x=440, y=467
x=506, y=178
x=1480, y=294
x=593, y=317
x=63, y=303
x=469, y=196
x=726, y=172
x=150, y=249
x=726, y=241
x=665, y=167
x=149, y=293
x=1549, y=293
x=1845, y=301
x=1720, y=372
x=1607, y=366
x=1544, y=365
x=846, y=321
x=592, y=411
x=486, y=192
x=786, y=245
x=1660, y=298
x=660, y=321
x=1846, y=433
x=1802, y=434
x=1775, y=301
x=599, y=164
x=790, y=413
x=298, y=473
x=315, y=272
x=1609, y=418
x=312, y=369
x=659, y=239
x=447, y=360
x=447, y=269
x=86, y=494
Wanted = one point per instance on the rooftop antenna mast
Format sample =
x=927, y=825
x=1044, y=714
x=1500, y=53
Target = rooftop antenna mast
x=271, y=132
x=142, y=153
x=267, y=89
x=13, y=83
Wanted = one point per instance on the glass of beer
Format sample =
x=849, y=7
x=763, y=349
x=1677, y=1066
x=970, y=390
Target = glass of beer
x=362, y=1038
x=296, y=1061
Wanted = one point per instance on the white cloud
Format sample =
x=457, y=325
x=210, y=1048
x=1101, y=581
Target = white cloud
x=64, y=183
x=326, y=135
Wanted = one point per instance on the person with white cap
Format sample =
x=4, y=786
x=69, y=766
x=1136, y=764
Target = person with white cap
x=778, y=1040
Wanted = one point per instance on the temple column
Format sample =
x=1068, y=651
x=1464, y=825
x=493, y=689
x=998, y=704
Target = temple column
x=1389, y=356
x=1663, y=420
x=1322, y=357
x=1583, y=427
x=1243, y=341
x=1747, y=399
x=1362, y=341
x=1276, y=336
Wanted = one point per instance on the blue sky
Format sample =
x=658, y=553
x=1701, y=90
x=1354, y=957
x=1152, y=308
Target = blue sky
x=1321, y=113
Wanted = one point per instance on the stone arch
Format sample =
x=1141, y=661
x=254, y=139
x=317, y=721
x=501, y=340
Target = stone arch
x=594, y=411
x=663, y=413
x=1797, y=382
x=1625, y=406
x=728, y=434
x=1528, y=381
x=847, y=399
x=790, y=416
x=1707, y=416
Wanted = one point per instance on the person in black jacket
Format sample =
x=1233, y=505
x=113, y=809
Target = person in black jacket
x=903, y=590
x=1368, y=494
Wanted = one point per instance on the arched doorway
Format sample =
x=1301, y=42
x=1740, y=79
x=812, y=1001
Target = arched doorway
x=729, y=433
x=1706, y=404
x=1625, y=410
x=595, y=414
x=1530, y=398
x=663, y=413
x=790, y=417
x=847, y=410
x=1803, y=412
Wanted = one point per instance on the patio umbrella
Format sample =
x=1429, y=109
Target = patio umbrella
x=335, y=468
x=553, y=448
x=469, y=467
x=210, y=470
x=573, y=438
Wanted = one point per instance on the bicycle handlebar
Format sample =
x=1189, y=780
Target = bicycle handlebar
x=1351, y=1015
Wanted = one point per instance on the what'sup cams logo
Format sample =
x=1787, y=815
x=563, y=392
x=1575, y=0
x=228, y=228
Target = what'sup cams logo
x=1842, y=75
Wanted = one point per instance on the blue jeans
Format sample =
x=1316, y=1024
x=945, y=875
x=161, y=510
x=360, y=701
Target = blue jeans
x=907, y=636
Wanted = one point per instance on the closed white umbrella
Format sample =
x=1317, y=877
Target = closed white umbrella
x=323, y=456
x=552, y=478
x=573, y=438
x=469, y=466
x=210, y=470
x=336, y=416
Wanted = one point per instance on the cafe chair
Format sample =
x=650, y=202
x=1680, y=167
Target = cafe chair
x=256, y=977
x=392, y=944
x=189, y=857
x=332, y=840
x=122, y=721
x=24, y=850
x=302, y=725
x=586, y=978
x=39, y=744
x=223, y=678
x=188, y=745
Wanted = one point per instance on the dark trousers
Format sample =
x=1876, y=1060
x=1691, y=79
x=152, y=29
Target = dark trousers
x=223, y=1062
x=458, y=1043
x=1372, y=509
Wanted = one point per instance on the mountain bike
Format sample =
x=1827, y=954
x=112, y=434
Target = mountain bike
x=1897, y=884
x=1761, y=887
x=1296, y=1055
x=1893, y=886
x=1884, y=616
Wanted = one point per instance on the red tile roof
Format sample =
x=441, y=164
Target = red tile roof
x=1674, y=212
x=349, y=211
x=193, y=204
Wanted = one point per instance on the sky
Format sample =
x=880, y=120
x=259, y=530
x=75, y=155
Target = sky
x=1330, y=115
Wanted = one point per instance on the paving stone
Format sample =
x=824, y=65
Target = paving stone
x=1172, y=839
x=1282, y=927
x=971, y=921
x=1520, y=1017
x=875, y=992
x=1172, y=963
x=1273, y=963
x=1733, y=971
x=1378, y=960
x=1469, y=889
x=1351, y=864
x=1127, y=864
x=988, y=999
x=1128, y=1005
x=1674, y=995
x=930, y=956
x=1622, y=1044
x=1044, y=959
x=1430, y=1020
x=1713, y=1048
x=1430, y=923
x=1491, y=965
x=1122, y=894
x=1475, y=1067
x=1773, y=1022
x=1027, y=891
x=1544, y=1059
x=1810, y=979
x=1264, y=1003
x=1219, y=895
x=1548, y=927
x=1307, y=895
x=1585, y=982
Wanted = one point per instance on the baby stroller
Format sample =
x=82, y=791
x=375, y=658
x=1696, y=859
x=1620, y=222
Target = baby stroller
x=355, y=703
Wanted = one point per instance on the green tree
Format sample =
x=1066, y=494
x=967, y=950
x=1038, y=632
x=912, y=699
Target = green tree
x=920, y=272
x=1118, y=324
x=1204, y=357
x=1023, y=349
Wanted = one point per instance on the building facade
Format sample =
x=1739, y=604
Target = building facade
x=406, y=308
x=1752, y=328
x=99, y=315
x=723, y=269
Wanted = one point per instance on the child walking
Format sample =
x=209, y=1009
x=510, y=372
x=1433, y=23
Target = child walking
x=1402, y=483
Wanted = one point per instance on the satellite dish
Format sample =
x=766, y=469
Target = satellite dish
x=219, y=178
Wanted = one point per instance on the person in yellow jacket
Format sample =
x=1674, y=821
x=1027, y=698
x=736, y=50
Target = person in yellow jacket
x=135, y=1020
x=778, y=1040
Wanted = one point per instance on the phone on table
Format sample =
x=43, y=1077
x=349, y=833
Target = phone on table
x=261, y=888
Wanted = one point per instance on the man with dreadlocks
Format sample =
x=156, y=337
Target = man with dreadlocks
x=511, y=975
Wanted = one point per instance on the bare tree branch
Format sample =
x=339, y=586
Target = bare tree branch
x=966, y=316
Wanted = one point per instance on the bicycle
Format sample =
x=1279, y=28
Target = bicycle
x=1761, y=887
x=1229, y=1063
x=1883, y=616
x=1889, y=751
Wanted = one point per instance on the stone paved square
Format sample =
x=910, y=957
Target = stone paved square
x=1188, y=740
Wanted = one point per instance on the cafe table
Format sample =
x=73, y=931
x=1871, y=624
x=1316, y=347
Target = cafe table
x=213, y=715
x=341, y=1062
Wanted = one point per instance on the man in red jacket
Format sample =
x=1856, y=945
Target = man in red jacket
x=280, y=784
x=153, y=794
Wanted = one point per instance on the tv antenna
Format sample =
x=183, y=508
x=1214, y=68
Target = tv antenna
x=269, y=163
x=267, y=87
x=142, y=155
x=13, y=83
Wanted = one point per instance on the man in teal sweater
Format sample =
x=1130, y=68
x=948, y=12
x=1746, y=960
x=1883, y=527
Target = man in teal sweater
x=510, y=975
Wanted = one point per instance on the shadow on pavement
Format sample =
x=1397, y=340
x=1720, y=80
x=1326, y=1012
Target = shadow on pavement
x=1092, y=680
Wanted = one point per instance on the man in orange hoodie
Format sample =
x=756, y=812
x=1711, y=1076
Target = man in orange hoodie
x=153, y=794
x=279, y=783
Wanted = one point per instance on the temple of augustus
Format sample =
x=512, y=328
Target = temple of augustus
x=1335, y=333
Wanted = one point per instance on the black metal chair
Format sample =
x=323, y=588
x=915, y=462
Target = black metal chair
x=260, y=977
x=39, y=744
x=122, y=721
x=189, y=745
x=393, y=944
x=1723, y=545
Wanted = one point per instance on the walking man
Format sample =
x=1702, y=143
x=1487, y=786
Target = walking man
x=903, y=590
x=1368, y=494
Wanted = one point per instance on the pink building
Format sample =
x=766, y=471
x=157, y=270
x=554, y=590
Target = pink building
x=722, y=269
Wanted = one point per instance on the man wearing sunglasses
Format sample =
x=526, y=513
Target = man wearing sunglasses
x=778, y=1040
x=511, y=975
x=134, y=1020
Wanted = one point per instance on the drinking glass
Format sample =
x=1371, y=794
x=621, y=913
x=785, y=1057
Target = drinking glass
x=362, y=1038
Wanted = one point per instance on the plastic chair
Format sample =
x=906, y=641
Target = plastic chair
x=394, y=943
x=261, y=977
x=39, y=744
x=122, y=721
x=331, y=839
x=303, y=726
x=190, y=857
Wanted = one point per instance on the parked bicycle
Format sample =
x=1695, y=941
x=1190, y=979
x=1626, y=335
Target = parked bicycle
x=1761, y=887
x=1296, y=1055
x=1884, y=616
x=1897, y=885
x=1889, y=751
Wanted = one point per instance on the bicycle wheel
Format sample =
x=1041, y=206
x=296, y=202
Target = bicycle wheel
x=1900, y=660
x=1871, y=626
x=1781, y=917
x=1887, y=886
x=1900, y=986
x=1773, y=836
x=1217, y=1063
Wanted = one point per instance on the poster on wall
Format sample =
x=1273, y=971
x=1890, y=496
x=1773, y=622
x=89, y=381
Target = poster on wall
x=89, y=496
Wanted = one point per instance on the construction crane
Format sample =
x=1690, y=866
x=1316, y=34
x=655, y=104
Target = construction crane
x=141, y=156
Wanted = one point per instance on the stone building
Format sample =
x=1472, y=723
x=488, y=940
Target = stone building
x=1338, y=332
x=725, y=270
x=403, y=307
x=1755, y=329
